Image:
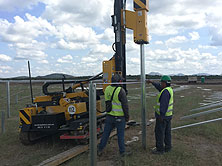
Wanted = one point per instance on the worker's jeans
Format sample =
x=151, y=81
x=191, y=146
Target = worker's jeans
x=110, y=123
x=163, y=134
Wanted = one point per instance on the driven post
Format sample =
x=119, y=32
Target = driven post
x=92, y=124
x=143, y=95
x=8, y=99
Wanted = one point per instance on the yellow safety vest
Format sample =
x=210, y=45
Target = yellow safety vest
x=117, y=109
x=170, y=106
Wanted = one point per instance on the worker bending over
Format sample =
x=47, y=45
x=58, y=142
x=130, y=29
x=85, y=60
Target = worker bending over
x=118, y=115
x=163, y=114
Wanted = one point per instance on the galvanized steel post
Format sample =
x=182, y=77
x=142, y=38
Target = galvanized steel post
x=195, y=124
x=92, y=124
x=8, y=99
x=143, y=95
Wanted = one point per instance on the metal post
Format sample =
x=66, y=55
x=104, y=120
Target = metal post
x=92, y=124
x=195, y=124
x=208, y=106
x=30, y=81
x=3, y=122
x=201, y=113
x=8, y=99
x=143, y=95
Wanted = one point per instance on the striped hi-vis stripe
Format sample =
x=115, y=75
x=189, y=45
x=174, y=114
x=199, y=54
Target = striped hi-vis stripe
x=25, y=117
x=138, y=4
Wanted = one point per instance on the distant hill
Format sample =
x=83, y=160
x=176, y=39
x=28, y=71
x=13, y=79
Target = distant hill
x=55, y=76
x=154, y=74
x=203, y=74
x=179, y=74
x=21, y=78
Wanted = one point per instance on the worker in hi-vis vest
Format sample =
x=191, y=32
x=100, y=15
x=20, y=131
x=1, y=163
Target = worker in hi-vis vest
x=117, y=116
x=163, y=114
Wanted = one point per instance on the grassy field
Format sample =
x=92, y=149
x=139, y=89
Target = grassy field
x=198, y=145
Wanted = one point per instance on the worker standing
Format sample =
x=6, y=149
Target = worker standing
x=163, y=114
x=118, y=115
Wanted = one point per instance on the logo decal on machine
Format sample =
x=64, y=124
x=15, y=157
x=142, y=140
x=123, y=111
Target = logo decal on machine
x=71, y=109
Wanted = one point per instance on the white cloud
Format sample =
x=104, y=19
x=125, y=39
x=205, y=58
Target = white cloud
x=206, y=47
x=158, y=42
x=22, y=31
x=84, y=29
x=135, y=60
x=171, y=17
x=77, y=33
x=161, y=24
x=101, y=49
x=194, y=35
x=108, y=35
x=33, y=50
x=5, y=58
x=89, y=59
x=176, y=60
x=175, y=40
x=65, y=59
x=5, y=70
x=95, y=12
x=44, y=62
x=23, y=36
x=11, y=5
x=62, y=44
x=213, y=20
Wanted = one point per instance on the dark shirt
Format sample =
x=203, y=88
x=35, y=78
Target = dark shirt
x=164, y=101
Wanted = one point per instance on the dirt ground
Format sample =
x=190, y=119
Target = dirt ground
x=197, y=145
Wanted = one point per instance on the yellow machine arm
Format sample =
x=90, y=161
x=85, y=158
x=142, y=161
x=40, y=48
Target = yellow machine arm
x=122, y=19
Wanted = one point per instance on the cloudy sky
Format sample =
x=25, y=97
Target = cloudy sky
x=74, y=37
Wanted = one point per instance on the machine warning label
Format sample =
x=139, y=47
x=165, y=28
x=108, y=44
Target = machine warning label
x=43, y=126
x=72, y=109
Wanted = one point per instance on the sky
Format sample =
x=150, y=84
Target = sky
x=74, y=37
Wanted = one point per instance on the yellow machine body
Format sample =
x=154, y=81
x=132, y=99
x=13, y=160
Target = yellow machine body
x=60, y=112
x=137, y=21
x=108, y=71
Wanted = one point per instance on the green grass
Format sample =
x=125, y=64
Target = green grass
x=197, y=145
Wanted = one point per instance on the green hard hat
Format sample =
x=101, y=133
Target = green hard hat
x=166, y=78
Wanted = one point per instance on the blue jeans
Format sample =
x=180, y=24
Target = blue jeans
x=110, y=123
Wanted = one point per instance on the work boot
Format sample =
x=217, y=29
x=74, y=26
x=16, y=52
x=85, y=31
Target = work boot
x=155, y=151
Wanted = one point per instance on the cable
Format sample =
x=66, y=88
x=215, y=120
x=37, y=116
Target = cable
x=113, y=47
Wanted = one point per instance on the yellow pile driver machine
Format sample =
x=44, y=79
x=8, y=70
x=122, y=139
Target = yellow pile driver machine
x=67, y=111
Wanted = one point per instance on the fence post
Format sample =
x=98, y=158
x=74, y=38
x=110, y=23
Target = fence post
x=8, y=99
x=92, y=124
x=3, y=122
x=143, y=95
